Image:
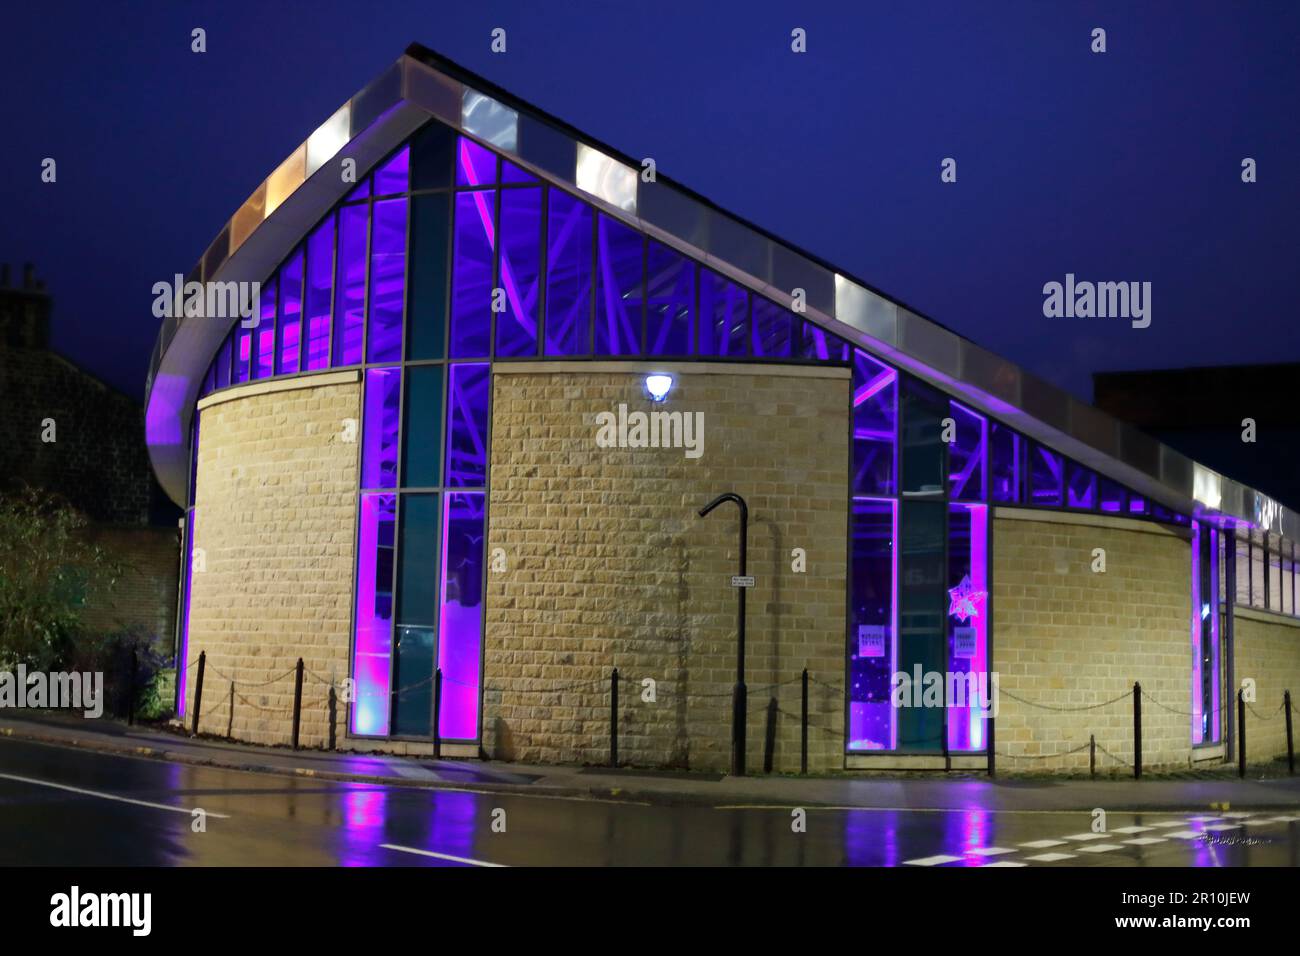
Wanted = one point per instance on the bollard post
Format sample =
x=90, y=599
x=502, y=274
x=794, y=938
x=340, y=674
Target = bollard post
x=198, y=692
x=992, y=754
x=769, y=740
x=613, y=718
x=1137, y=731
x=739, y=708
x=803, y=726
x=436, y=720
x=130, y=703
x=1290, y=749
x=1092, y=755
x=297, y=703
x=334, y=715
x=1241, y=734
x=230, y=714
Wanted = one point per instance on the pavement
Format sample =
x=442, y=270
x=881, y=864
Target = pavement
x=1213, y=791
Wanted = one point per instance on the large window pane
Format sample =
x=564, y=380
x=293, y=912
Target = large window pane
x=243, y=354
x=320, y=288
x=471, y=284
x=289, y=328
x=1081, y=486
x=467, y=416
x=568, y=275
x=670, y=300
x=379, y=428
x=426, y=321
x=460, y=630
x=431, y=156
x=619, y=288
x=724, y=316
x=923, y=450
x=873, y=649
x=350, y=285
x=923, y=603
x=968, y=616
x=417, y=596
x=422, y=431
x=773, y=329
x=816, y=343
x=475, y=165
x=521, y=272
x=387, y=281
x=1007, y=464
x=1046, y=476
x=875, y=412
x=264, y=334
x=966, y=454
x=394, y=176
x=372, y=642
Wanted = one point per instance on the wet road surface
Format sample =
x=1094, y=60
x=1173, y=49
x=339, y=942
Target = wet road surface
x=69, y=807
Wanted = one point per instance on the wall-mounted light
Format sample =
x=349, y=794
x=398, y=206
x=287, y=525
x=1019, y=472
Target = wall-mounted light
x=658, y=386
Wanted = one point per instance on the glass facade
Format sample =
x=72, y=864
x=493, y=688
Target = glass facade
x=447, y=259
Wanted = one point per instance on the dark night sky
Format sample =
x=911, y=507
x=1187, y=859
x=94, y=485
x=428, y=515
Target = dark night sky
x=1122, y=166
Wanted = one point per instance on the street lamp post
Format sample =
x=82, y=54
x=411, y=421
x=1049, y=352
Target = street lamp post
x=738, y=697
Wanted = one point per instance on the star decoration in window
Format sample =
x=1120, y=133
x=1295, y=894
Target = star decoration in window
x=963, y=600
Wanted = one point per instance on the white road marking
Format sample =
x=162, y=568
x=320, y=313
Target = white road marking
x=1099, y=848
x=931, y=860
x=1186, y=834
x=1083, y=837
x=1146, y=841
x=110, y=796
x=991, y=851
x=1217, y=827
x=1050, y=857
x=438, y=856
x=1005, y=863
x=1134, y=829
x=1169, y=823
x=1042, y=844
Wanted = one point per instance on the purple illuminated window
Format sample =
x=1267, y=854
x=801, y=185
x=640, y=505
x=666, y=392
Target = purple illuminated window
x=460, y=621
x=362, y=191
x=619, y=288
x=373, y=641
x=510, y=173
x=264, y=334
x=670, y=301
x=471, y=283
x=521, y=273
x=1006, y=462
x=475, y=166
x=350, y=285
x=290, y=325
x=873, y=624
x=816, y=343
x=568, y=275
x=467, y=424
x=243, y=353
x=773, y=330
x=968, y=616
x=1137, y=505
x=1111, y=496
x=724, y=316
x=320, y=286
x=387, y=281
x=394, y=176
x=875, y=414
x=1081, y=486
x=1207, y=721
x=966, y=455
x=379, y=428
x=1046, y=476
x=223, y=362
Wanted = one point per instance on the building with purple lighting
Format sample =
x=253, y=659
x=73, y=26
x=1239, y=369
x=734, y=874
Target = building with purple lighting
x=395, y=475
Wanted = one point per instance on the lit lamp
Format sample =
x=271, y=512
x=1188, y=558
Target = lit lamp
x=658, y=386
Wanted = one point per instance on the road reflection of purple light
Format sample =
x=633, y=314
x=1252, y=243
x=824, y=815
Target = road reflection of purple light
x=364, y=816
x=967, y=831
x=452, y=824
x=871, y=838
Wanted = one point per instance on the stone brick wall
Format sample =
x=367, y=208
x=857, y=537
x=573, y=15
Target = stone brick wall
x=144, y=597
x=608, y=565
x=1067, y=637
x=275, y=517
x=1268, y=650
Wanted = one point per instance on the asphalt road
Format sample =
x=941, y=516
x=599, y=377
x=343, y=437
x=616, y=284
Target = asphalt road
x=70, y=807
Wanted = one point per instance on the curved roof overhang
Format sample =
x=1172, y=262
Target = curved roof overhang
x=423, y=84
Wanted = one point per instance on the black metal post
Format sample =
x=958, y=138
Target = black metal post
x=1241, y=733
x=334, y=714
x=993, y=769
x=803, y=726
x=613, y=718
x=436, y=719
x=198, y=691
x=1092, y=755
x=1137, y=731
x=740, y=694
x=230, y=714
x=130, y=703
x=297, y=703
x=1229, y=636
x=1290, y=747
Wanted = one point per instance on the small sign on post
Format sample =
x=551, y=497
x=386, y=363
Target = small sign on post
x=742, y=581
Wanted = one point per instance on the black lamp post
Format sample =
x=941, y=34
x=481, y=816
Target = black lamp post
x=738, y=697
